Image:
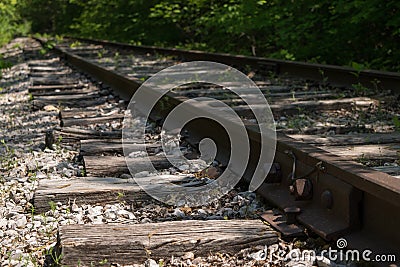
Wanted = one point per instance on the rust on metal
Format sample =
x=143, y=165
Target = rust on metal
x=279, y=221
x=291, y=214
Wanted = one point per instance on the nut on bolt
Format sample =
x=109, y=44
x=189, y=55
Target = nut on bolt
x=291, y=214
x=302, y=189
x=321, y=167
x=327, y=199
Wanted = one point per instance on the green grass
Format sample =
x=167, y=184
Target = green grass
x=4, y=64
x=396, y=122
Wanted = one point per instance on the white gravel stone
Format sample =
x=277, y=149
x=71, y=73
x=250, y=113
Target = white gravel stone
x=188, y=256
x=145, y=220
x=16, y=255
x=178, y=213
x=109, y=214
x=142, y=174
x=201, y=212
x=75, y=208
x=21, y=223
x=183, y=167
x=126, y=214
x=96, y=219
x=11, y=224
x=151, y=263
x=3, y=223
x=125, y=176
x=97, y=210
x=11, y=232
x=137, y=154
x=15, y=262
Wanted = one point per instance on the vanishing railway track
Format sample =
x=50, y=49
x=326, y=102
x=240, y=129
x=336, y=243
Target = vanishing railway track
x=336, y=164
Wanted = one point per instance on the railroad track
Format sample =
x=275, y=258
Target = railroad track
x=335, y=167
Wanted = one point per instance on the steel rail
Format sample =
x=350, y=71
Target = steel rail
x=334, y=75
x=347, y=199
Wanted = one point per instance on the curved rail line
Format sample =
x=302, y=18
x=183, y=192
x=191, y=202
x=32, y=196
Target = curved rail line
x=347, y=199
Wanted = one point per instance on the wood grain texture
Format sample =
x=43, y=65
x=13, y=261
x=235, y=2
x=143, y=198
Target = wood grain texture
x=128, y=244
x=96, y=190
x=74, y=101
x=37, y=93
x=93, y=147
x=91, y=120
x=53, y=81
x=87, y=112
x=349, y=139
x=102, y=166
x=49, y=74
x=52, y=88
x=392, y=170
x=85, y=190
x=70, y=134
x=354, y=152
x=43, y=68
x=301, y=106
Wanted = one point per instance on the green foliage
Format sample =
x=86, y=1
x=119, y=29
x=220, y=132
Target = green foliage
x=11, y=23
x=49, y=16
x=102, y=262
x=361, y=89
x=52, y=205
x=7, y=156
x=396, y=122
x=55, y=257
x=4, y=64
x=75, y=44
x=361, y=34
x=48, y=45
x=123, y=21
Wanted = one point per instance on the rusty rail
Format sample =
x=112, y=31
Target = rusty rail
x=334, y=75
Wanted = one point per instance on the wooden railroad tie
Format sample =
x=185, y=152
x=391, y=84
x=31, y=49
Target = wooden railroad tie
x=127, y=244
